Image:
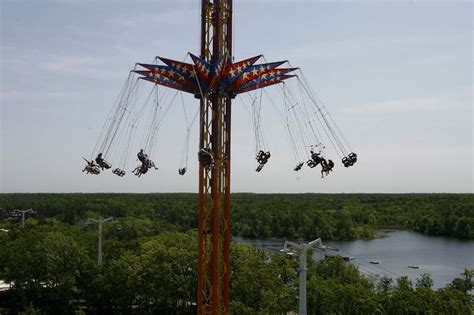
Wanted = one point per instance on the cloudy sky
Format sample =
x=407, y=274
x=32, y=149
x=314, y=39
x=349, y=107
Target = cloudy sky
x=395, y=75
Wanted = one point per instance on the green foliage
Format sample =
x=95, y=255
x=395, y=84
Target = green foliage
x=335, y=287
x=330, y=216
x=150, y=257
x=261, y=284
x=45, y=264
x=52, y=269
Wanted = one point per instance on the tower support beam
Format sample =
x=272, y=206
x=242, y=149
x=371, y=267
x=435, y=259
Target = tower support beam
x=214, y=182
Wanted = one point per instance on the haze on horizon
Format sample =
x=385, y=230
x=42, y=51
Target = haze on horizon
x=395, y=75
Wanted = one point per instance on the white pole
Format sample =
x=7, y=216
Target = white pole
x=303, y=272
x=23, y=214
x=302, y=248
x=99, y=255
x=100, y=224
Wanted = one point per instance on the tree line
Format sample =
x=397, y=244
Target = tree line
x=330, y=216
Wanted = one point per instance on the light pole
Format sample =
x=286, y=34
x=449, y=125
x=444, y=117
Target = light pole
x=23, y=212
x=302, y=250
x=100, y=223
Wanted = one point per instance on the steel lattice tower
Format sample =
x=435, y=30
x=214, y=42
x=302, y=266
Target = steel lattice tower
x=214, y=184
x=214, y=79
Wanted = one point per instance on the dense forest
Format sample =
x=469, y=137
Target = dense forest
x=52, y=270
x=329, y=216
x=150, y=255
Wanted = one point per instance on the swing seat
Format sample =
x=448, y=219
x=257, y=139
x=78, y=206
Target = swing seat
x=104, y=164
x=298, y=167
x=346, y=161
x=353, y=158
x=92, y=170
x=119, y=172
x=311, y=163
x=205, y=157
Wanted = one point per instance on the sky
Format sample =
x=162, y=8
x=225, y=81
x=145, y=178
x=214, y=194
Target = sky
x=397, y=76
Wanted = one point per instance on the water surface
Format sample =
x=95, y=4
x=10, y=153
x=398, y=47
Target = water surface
x=441, y=257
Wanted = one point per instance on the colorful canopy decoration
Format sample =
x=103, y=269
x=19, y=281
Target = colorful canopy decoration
x=202, y=78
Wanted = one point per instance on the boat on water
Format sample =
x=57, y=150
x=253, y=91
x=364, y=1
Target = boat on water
x=375, y=262
x=348, y=258
x=414, y=267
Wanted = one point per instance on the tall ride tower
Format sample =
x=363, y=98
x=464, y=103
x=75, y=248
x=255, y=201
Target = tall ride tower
x=214, y=79
x=214, y=183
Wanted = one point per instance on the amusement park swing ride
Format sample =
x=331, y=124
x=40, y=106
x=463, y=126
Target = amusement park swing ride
x=216, y=80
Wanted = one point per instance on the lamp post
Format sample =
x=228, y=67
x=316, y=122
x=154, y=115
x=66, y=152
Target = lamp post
x=302, y=250
x=100, y=223
x=23, y=212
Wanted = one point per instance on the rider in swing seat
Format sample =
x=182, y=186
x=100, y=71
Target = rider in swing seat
x=346, y=161
x=316, y=157
x=298, y=167
x=91, y=167
x=330, y=165
x=142, y=157
x=262, y=159
x=353, y=158
x=101, y=162
x=205, y=157
x=327, y=167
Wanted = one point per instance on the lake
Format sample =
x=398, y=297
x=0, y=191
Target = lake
x=443, y=258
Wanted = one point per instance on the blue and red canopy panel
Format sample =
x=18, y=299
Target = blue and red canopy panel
x=202, y=78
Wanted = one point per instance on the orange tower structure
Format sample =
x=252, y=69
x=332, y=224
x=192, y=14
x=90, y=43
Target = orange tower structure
x=214, y=184
x=214, y=79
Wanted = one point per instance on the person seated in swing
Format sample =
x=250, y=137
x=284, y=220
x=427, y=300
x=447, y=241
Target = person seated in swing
x=316, y=157
x=262, y=159
x=327, y=167
x=346, y=161
x=91, y=168
x=142, y=157
x=353, y=158
x=99, y=159
x=91, y=163
x=298, y=167
x=145, y=160
x=205, y=157
x=330, y=165
x=182, y=171
x=260, y=156
x=101, y=162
